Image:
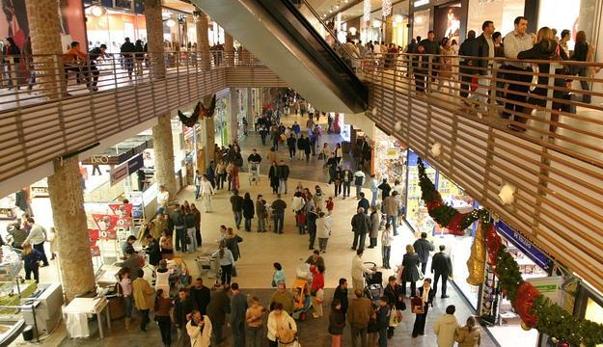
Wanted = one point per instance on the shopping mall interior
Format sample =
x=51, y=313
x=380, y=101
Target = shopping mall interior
x=145, y=143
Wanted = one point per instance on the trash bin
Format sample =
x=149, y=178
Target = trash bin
x=28, y=333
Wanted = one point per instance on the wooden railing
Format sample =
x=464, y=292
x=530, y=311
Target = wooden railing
x=555, y=164
x=35, y=129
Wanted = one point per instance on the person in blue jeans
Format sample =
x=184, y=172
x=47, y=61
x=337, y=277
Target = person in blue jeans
x=177, y=218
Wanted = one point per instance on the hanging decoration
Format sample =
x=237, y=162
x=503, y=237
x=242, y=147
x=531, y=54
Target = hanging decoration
x=199, y=112
x=366, y=13
x=477, y=260
x=386, y=8
x=534, y=309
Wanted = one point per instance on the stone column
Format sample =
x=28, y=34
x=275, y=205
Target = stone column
x=228, y=50
x=202, y=26
x=73, y=246
x=163, y=144
x=64, y=186
x=45, y=33
x=388, y=29
x=233, y=123
x=210, y=138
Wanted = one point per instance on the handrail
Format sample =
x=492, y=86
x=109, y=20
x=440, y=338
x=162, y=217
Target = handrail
x=553, y=157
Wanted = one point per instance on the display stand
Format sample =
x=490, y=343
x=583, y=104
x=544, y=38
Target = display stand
x=77, y=312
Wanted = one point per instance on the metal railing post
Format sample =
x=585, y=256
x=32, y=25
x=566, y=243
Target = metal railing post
x=493, y=109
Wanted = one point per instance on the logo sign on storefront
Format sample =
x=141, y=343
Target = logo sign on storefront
x=550, y=287
x=525, y=245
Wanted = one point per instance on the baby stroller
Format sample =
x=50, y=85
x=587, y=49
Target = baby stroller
x=254, y=173
x=374, y=283
x=301, y=292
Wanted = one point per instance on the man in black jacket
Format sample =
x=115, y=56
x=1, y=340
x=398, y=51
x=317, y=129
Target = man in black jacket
x=360, y=227
x=200, y=296
x=236, y=202
x=468, y=49
x=484, y=47
x=441, y=266
x=283, y=176
x=432, y=47
x=341, y=293
x=291, y=142
x=422, y=248
x=183, y=306
x=254, y=157
x=127, y=51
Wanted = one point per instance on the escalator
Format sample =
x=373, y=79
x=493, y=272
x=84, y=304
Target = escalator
x=279, y=35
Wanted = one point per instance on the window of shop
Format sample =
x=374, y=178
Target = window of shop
x=416, y=212
x=501, y=12
x=421, y=23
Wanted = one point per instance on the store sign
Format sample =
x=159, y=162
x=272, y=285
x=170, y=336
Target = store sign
x=137, y=202
x=550, y=287
x=419, y=3
x=525, y=245
x=124, y=170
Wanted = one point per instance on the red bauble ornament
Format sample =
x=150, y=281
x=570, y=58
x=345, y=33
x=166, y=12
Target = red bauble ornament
x=454, y=226
x=563, y=344
x=524, y=302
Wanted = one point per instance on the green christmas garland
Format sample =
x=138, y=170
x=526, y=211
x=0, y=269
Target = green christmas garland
x=550, y=318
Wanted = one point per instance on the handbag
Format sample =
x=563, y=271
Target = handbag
x=395, y=318
x=421, y=275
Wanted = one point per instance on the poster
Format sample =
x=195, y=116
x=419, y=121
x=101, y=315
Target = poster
x=13, y=22
x=121, y=209
x=447, y=21
x=107, y=225
x=93, y=237
x=137, y=203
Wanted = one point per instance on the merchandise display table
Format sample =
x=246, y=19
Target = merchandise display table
x=76, y=316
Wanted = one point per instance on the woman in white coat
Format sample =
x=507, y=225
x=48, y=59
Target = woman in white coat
x=323, y=228
x=281, y=327
x=199, y=330
x=207, y=190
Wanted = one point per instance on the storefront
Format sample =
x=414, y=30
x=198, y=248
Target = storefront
x=589, y=304
x=535, y=267
x=389, y=158
x=110, y=27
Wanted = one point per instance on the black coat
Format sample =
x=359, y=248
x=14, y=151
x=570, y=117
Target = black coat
x=441, y=264
x=482, y=50
x=248, y=209
x=336, y=322
x=422, y=248
x=283, y=171
x=342, y=295
x=200, y=297
x=410, y=263
x=360, y=223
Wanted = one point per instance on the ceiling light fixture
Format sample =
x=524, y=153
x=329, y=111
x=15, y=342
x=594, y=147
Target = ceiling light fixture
x=97, y=10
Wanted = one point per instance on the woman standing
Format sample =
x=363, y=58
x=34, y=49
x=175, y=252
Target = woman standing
x=582, y=52
x=469, y=335
x=420, y=306
x=281, y=327
x=386, y=245
x=375, y=224
x=248, y=211
x=323, y=227
x=297, y=204
x=446, y=64
x=206, y=191
x=162, y=279
x=226, y=261
x=254, y=317
x=410, y=270
x=220, y=174
x=166, y=245
x=336, y=323
x=125, y=287
x=279, y=275
x=273, y=177
x=31, y=261
x=190, y=222
x=163, y=307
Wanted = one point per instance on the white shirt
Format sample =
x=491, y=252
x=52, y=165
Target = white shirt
x=273, y=323
x=515, y=43
x=358, y=268
x=387, y=238
x=200, y=338
x=359, y=173
x=163, y=198
x=206, y=188
x=323, y=227
x=37, y=235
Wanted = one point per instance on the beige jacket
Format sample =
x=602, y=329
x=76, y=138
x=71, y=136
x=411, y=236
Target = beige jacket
x=143, y=294
x=467, y=338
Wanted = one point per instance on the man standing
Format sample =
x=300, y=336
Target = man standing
x=283, y=175
x=422, y=246
x=93, y=56
x=385, y=189
x=348, y=176
x=36, y=237
x=200, y=296
x=359, y=315
x=360, y=227
x=183, y=307
x=278, y=211
x=441, y=266
x=445, y=327
x=218, y=307
x=291, y=143
x=467, y=49
x=197, y=181
x=431, y=46
x=236, y=202
x=517, y=41
x=177, y=218
x=359, y=177
x=391, y=208
x=238, y=309
x=485, y=54
x=127, y=51
x=142, y=292
x=341, y=293
x=358, y=270
x=163, y=197
x=363, y=202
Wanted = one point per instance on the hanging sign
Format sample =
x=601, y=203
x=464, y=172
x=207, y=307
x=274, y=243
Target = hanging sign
x=525, y=245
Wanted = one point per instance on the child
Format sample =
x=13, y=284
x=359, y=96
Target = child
x=330, y=205
x=317, y=290
x=336, y=323
x=386, y=245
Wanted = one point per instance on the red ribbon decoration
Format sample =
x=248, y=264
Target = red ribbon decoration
x=454, y=226
x=493, y=244
x=524, y=302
